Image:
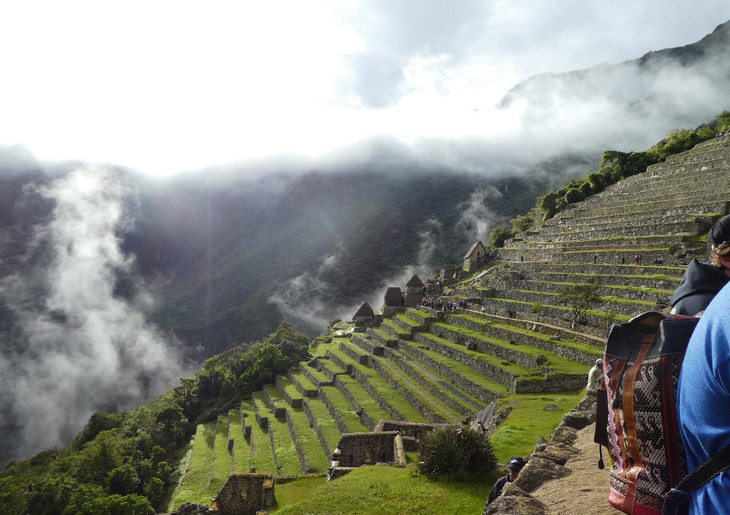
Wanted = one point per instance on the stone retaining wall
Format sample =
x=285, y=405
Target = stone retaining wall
x=512, y=355
x=318, y=431
x=554, y=346
x=413, y=400
x=493, y=372
x=362, y=413
x=293, y=402
x=302, y=458
x=333, y=411
x=461, y=382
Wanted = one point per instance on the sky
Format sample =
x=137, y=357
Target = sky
x=169, y=86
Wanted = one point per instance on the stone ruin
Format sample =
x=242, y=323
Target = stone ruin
x=244, y=494
x=386, y=445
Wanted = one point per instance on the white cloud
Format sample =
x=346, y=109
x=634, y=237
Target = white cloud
x=167, y=86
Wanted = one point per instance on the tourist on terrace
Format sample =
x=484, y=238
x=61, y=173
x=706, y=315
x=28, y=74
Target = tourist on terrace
x=702, y=281
x=514, y=466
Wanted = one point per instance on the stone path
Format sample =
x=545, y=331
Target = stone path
x=584, y=490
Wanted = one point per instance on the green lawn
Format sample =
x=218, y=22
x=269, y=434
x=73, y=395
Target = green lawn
x=197, y=476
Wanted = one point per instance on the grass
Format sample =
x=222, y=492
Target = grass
x=197, y=476
x=261, y=457
x=377, y=490
x=434, y=384
x=286, y=452
x=241, y=450
x=459, y=368
x=344, y=410
x=324, y=421
x=308, y=441
x=528, y=420
x=222, y=464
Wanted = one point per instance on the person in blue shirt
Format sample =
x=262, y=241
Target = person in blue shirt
x=704, y=401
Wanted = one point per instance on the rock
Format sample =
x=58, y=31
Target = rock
x=189, y=508
x=557, y=453
x=579, y=419
x=541, y=444
x=516, y=501
x=552, y=407
x=537, y=471
x=564, y=434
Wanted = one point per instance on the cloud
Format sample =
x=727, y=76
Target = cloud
x=477, y=219
x=80, y=347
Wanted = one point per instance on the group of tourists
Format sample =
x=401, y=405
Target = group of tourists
x=439, y=304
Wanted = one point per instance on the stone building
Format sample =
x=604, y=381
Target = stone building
x=358, y=449
x=414, y=292
x=476, y=257
x=393, y=301
x=244, y=494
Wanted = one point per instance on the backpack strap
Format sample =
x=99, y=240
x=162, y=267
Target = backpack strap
x=678, y=496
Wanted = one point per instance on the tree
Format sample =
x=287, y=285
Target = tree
x=581, y=297
x=123, y=480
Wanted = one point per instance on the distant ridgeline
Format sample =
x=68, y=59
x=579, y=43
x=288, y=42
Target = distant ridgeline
x=506, y=337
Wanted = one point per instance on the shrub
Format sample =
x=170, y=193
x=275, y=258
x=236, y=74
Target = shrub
x=456, y=451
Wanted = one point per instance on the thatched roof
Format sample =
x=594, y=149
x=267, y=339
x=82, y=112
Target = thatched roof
x=365, y=310
x=393, y=296
x=415, y=281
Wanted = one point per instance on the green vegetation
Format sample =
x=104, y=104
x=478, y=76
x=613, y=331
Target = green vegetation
x=456, y=452
x=581, y=297
x=369, y=490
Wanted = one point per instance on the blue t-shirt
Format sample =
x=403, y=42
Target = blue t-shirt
x=704, y=401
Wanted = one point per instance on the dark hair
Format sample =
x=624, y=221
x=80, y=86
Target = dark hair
x=720, y=232
x=516, y=463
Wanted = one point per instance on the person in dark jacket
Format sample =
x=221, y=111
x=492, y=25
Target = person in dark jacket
x=514, y=465
x=702, y=281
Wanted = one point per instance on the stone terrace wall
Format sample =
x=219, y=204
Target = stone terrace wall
x=245, y=494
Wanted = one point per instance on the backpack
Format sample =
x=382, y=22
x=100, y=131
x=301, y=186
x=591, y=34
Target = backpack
x=636, y=416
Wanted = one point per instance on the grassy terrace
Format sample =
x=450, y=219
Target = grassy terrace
x=532, y=334
x=458, y=368
x=652, y=277
x=618, y=317
x=241, y=450
x=408, y=320
x=333, y=368
x=383, y=334
x=344, y=410
x=317, y=374
x=496, y=361
x=381, y=388
x=387, y=322
x=222, y=465
x=300, y=378
x=443, y=409
x=562, y=364
x=197, y=476
x=440, y=409
x=620, y=287
x=286, y=452
x=528, y=418
x=308, y=441
x=261, y=457
x=289, y=388
x=324, y=421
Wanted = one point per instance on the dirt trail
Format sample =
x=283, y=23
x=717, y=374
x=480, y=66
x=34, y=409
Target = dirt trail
x=584, y=490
